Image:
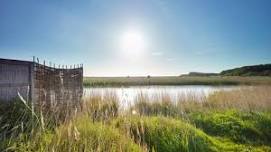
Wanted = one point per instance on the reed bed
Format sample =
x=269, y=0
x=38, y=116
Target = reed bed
x=176, y=80
x=237, y=120
x=254, y=98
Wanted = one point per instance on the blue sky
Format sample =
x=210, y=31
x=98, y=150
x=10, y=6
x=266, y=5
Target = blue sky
x=178, y=35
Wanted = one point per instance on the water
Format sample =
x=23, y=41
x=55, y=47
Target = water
x=127, y=95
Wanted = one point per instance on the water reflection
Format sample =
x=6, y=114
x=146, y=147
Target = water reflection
x=127, y=95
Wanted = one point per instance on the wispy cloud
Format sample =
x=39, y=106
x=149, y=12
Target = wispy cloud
x=157, y=53
x=170, y=59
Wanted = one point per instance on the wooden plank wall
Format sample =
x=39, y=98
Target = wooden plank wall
x=14, y=78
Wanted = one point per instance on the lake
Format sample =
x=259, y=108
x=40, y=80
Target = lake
x=127, y=95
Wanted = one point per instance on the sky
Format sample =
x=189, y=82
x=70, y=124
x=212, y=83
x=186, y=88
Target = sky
x=138, y=37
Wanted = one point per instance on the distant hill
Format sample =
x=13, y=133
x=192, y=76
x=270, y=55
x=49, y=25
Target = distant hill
x=255, y=70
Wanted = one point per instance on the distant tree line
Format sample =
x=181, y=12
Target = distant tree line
x=202, y=74
x=255, y=70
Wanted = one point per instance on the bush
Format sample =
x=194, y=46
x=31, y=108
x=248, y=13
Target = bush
x=261, y=121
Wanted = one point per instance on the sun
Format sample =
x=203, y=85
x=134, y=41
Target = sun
x=132, y=43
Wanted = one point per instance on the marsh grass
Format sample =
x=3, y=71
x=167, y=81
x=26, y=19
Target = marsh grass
x=80, y=134
x=158, y=105
x=101, y=107
x=163, y=134
x=241, y=127
x=237, y=120
x=15, y=119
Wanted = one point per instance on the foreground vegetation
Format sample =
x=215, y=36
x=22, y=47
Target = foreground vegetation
x=238, y=120
x=174, y=80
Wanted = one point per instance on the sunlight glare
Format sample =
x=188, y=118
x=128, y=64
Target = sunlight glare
x=132, y=44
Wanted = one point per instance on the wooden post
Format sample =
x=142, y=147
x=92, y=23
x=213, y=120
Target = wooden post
x=31, y=82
